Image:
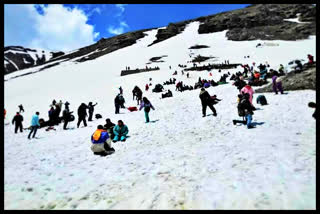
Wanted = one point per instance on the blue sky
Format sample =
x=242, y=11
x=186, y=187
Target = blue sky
x=71, y=26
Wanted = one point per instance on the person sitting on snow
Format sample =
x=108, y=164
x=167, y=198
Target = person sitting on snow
x=310, y=59
x=101, y=142
x=120, y=131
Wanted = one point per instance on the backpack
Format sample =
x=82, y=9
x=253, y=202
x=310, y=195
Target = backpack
x=98, y=116
x=262, y=100
x=241, y=109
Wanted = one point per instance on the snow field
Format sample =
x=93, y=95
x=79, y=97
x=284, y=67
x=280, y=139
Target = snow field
x=179, y=161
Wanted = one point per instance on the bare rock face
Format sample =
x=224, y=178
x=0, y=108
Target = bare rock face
x=258, y=21
x=295, y=81
x=18, y=58
x=263, y=22
x=170, y=31
x=104, y=46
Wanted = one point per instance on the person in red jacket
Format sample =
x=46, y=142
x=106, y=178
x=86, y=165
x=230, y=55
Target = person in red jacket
x=310, y=57
x=147, y=87
x=5, y=112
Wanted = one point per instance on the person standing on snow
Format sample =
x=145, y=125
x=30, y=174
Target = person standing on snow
x=21, y=108
x=117, y=104
x=276, y=84
x=310, y=59
x=34, y=125
x=82, y=114
x=17, y=119
x=146, y=104
x=66, y=114
x=206, y=101
x=51, y=116
x=91, y=110
x=66, y=105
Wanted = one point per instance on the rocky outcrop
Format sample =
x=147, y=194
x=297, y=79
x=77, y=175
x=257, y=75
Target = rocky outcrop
x=284, y=31
x=263, y=22
x=295, y=81
x=18, y=58
x=170, y=31
x=104, y=46
x=199, y=46
x=258, y=21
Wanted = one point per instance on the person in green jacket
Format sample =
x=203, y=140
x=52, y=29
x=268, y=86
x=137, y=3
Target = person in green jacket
x=120, y=131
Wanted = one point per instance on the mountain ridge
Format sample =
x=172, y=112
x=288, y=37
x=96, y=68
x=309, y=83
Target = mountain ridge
x=257, y=21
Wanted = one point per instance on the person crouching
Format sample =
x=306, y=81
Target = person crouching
x=101, y=142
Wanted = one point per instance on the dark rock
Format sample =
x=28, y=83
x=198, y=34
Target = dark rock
x=263, y=22
x=170, y=31
x=199, y=47
x=18, y=58
x=57, y=54
x=295, y=81
x=200, y=58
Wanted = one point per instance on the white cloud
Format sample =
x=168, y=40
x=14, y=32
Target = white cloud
x=122, y=8
x=56, y=28
x=96, y=34
x=118, y=30
x=123, y=24
x=94, y=10
x=115, y=30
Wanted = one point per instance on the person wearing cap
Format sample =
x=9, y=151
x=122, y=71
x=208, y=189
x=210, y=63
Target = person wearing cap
x=91, y=110
x=120, y=131
x=206, y=101
x=109, y=127
x=17, y=120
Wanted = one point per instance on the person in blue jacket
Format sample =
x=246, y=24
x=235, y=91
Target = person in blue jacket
x=34, y=125
x=101, y=143
x=120, y=131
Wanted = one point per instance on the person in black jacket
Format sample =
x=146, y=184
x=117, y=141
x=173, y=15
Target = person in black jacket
x=17, y=119
x=245, y=109
x=313, y=105
x=66, y=117
x=117, y=104
x=91, y=110
x=206, y=101
x=109, y=127
x=21, y=109
x=82, y=114
x=240, y=83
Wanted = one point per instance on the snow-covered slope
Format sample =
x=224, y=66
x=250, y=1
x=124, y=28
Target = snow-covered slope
x=181, y=160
